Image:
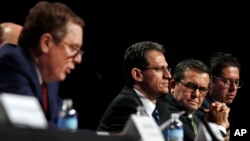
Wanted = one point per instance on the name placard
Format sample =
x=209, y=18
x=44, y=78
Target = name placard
x=22, y=111
x=143, y=128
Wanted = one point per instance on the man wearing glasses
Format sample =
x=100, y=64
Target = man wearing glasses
x=147, y=77
x=50, y=47
x=225, y=83
x=190, y=85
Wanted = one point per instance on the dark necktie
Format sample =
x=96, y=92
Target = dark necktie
x=45, y=97
x=195, y=129
x=156, y=116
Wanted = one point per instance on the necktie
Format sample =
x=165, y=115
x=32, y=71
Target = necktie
x=195, y=129
x=45, y=97
x=156, y=116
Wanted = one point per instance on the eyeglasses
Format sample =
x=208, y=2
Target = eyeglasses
x=229, y=82
x=75, y=49
x=192, y=87
x=160, y=69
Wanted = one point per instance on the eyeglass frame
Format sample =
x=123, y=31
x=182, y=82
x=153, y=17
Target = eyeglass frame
x=159, y=69
x=227, y=82
x=202, y=90
x=73, y=48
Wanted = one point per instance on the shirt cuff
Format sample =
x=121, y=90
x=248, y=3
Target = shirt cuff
x=222, y=129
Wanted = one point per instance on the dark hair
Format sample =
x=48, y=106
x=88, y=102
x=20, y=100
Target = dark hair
x=219, y=60
x=46, y=17
x=182, y=66
x=135, y=56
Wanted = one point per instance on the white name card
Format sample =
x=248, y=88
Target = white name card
x=23, y=111
x=143, y=128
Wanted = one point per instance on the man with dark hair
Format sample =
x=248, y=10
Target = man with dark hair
x=225, y=83
x=190, y=85
x=147, y=76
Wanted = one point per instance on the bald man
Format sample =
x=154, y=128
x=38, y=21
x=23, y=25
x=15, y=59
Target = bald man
x=9, y=33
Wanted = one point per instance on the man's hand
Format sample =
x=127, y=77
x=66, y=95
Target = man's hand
x=218, y=113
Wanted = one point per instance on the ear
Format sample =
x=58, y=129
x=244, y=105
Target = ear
x=172, y=84
x=136, y=74
x=46, y=40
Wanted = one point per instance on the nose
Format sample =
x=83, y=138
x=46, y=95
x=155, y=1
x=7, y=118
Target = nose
x=78, y=59
x=233, y=86
x=196, y=93
x=167, y=74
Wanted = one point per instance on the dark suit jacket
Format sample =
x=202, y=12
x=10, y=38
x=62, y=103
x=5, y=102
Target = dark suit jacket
x=206, y=103
x=120, y=109
x=18, y=75
x=175, y=107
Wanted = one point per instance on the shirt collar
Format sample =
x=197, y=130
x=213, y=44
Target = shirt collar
x=39, y=75
x=149, y=106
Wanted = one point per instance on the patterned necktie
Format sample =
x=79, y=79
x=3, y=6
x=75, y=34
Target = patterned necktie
x=195, y=129
x=45, y=97
x=156, y=116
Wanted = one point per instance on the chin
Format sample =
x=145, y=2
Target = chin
x=193, y=108
x=229, y=102
x=166, y=90
x=62, y=77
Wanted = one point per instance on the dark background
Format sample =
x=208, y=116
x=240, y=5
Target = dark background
x=186, y=29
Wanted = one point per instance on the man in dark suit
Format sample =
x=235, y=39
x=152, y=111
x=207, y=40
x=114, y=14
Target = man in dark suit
x=189, y=86
x=49, y=47
x=225, y=82
x=147, y=78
